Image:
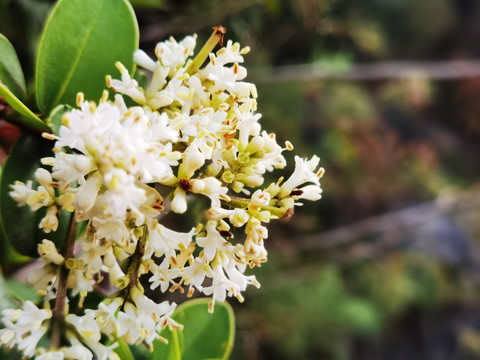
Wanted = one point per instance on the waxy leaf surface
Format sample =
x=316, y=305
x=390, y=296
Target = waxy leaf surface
x=20, y=224
x=80, y=44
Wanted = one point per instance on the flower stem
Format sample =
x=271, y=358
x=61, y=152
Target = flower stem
x=242, y=203
x=213, y=40
x=134, y=267
x=59, y=309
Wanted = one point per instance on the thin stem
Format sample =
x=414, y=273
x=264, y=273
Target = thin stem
x=134, y=267
x=59, y=309
x=242, y=203
x=213, y=40
x=136, y=262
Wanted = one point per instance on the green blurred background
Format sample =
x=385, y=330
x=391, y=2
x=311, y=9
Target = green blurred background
x=387, y=93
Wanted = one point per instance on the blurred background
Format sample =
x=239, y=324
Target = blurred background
x=387, y=93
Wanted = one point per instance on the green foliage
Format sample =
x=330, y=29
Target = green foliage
x=123, y=350
x=12, y=84
x=315, y=313
x=81, y=42
x=148, y=3
x=204, y=336
x=6, y=299
x=11, y=74
x=21, y=291
x=20, y=224
x=28, y=117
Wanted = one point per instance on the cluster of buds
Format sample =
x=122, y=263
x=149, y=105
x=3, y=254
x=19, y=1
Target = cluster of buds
x=193, y=131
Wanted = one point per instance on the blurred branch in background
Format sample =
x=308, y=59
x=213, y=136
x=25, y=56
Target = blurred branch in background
x=405, y=219
x=435, y=70
x=192, y=22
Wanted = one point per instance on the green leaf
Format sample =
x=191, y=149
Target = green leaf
x=204, y=336
x=171, y=350
x=22, y=291
x=123, y=350
x=11, y=74
x=6, y=300
x=80, y=44
x=12, y=85
x=159, y=4
x=20, y=224
x=28, y=117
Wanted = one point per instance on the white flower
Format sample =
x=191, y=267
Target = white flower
x=92, y=254
x=85, y=325
x=179, y=201
x=172, y=54
x=21, y=192
x=212, y=242
x=238, y=217
x=51, y=355
x=50, y=221
x=82, y=282
x=212, y=188
x=141, y=58
x=259, y=198
x=70, y=168
x=127, y=85
x=129, y=324
x=105, y=316
x=195, y=130
x=77, y=352
x=193, y=160
x=273, y=158
x=101, y=351
x=24, y=327
x=164, y=241
x=163, y=276
x=194, y=274
x=48, y=252
x=87, y=193
x=231, y=53
x=304, y=172
x=29, y=343
x=238, y=278
x=44, y=278
x=310, y=192
x=221, y=286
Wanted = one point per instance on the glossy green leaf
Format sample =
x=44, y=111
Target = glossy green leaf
x=168, y=351
x=28, y=117
x=22, y=291
x=11, y=74
x=12, y=85
x=159, y=4
x=123, y=350
x=20, y=224
x=81, y=42
x=204, y=336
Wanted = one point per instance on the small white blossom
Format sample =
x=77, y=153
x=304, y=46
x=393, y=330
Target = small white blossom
x=24, y=327
x=194, y=130
x=305, y=171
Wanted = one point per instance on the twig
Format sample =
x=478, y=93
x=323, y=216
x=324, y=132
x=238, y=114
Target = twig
x=438, y=70
x=59, y=309
x=406, y=218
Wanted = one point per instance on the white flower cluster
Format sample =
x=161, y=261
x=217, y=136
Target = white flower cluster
x=193, y=131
